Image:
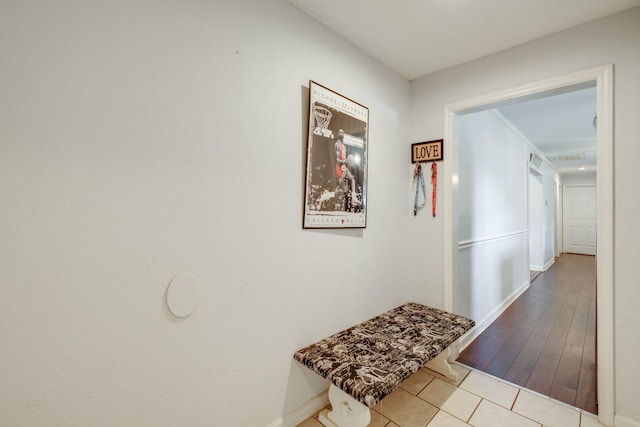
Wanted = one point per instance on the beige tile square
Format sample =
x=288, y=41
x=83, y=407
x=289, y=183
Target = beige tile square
x=416, y=382
x=462, y=370
x=310, y=422
x=454, y=400
x=588, y=420
x=462, y=373
x=490, y=389
x=405, y=409
x=546, y=411
x=378, y=420
x=489, y=414
x=442, y=419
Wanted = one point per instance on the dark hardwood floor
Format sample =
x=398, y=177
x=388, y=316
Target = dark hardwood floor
x=546, y=340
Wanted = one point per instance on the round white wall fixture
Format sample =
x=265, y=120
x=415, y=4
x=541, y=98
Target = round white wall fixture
x=183, y=295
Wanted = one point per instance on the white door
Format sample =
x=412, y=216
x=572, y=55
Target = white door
x=580, y=219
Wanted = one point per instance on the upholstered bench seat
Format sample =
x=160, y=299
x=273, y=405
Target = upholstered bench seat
x=370, y=360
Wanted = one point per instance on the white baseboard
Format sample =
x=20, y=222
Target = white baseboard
x=549, y=264
x=486, y=322
x=302, y=412
x=625, y=422
x=276, y=423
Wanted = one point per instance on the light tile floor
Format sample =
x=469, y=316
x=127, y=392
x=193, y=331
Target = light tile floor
x=429, y=399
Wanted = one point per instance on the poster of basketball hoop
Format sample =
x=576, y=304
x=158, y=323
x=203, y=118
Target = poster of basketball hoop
x=336, y=175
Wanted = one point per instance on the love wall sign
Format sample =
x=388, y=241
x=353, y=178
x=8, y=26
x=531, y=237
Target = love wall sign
x=429, y=151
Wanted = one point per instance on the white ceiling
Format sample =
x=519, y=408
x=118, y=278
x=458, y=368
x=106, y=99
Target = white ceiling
x=561, y=126
x=419, y=37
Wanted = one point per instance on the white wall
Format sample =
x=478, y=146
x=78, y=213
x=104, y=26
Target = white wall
x=615, y=40
x=493, y=239
x=536, y=222
x=549, y=211
x=144, y=139
x=542, y=220
x=582, y=179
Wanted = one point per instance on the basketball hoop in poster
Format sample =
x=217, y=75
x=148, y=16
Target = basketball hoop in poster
x=322, y=117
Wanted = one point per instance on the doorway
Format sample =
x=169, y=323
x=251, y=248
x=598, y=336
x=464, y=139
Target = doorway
x=545, y=340
x=601, y=77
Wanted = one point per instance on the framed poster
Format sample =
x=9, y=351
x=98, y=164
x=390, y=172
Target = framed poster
x=336, y=173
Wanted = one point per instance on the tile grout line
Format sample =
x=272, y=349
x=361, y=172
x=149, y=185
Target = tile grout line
x=525, y=389
x=513, y=404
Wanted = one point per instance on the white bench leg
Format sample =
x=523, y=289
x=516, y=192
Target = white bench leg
x=345, y=411
x=441, y=364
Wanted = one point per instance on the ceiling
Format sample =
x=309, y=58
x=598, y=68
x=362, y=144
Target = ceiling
x=561, y=126
x=419, y=37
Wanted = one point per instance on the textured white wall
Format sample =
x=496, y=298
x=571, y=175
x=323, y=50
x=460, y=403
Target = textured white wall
x=549, y=212
x=536, y=223
x=586, y=179
x=492, y=199
x=614, y=40
x=141, y=139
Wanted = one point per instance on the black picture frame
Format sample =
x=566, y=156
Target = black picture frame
x=337, y=161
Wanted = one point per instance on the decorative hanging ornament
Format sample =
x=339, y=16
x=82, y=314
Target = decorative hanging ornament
x=434, y=184
x=418, y=177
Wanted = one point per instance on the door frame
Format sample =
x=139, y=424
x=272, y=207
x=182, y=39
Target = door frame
x=536, y=205
x=602, y=77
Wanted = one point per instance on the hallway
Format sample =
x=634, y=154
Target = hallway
x=546, y=340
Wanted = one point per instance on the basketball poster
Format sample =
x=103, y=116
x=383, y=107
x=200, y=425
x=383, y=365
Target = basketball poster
x=336, y=170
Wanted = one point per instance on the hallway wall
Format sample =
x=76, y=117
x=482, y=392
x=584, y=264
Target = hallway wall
x=142, y=139
x=493, y=242
x=549, y=179
x=614, y=40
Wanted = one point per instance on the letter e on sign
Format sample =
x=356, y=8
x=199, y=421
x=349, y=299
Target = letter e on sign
x=429, y=151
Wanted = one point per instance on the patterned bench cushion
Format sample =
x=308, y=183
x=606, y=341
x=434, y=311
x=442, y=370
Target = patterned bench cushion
x=370, y=360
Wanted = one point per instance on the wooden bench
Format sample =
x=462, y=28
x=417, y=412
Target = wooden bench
x=368, y=361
